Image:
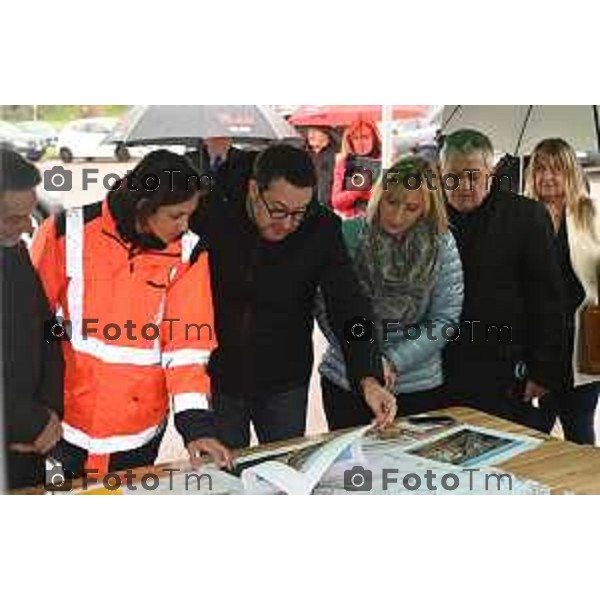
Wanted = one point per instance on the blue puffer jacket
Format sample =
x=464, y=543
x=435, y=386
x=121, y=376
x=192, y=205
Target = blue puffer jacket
x=418, y=362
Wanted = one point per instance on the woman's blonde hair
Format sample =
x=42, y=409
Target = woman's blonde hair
x=562, y=157
x=407, y=173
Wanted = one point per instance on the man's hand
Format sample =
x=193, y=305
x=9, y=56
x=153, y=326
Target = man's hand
x=380, y=401
x=533, y=390
x=50, y=436
x=214, y=449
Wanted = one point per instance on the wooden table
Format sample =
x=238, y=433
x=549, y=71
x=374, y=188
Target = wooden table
x=562, y=466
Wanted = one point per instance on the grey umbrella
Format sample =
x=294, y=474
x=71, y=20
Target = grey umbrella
x=188, y=124
x=517, y=129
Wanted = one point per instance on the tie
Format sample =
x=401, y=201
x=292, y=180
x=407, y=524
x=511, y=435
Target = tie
x=218, y=162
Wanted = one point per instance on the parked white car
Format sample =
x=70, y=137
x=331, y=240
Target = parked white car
x=86, y=139
x=44, y=132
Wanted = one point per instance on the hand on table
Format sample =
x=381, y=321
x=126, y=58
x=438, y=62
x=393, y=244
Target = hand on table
x=214, y=449
x=380, y=401
x=533, y=390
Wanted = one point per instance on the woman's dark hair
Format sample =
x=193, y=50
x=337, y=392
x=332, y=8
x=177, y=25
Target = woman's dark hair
x=281, y=161
x=162, y=178
x=16, y=173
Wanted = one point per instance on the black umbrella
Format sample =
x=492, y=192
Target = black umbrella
x=189, y=124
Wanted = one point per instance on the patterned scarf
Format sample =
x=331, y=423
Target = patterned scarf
x=397, y=274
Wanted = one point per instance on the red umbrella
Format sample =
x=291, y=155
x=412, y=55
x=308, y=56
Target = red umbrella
x=345, y=114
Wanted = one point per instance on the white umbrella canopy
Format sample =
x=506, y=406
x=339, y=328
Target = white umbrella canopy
x=517, y=129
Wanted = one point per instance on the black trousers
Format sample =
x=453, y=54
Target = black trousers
x=576, y=410
x=24, y=470
x=345, y=409
x=275, y=416
x=73, y=458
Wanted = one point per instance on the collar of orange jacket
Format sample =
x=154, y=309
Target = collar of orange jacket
x=120, y=218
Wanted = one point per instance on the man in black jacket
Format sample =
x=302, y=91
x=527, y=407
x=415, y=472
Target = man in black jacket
x=508, y=353
x=223, y=163
x=271, y=246
x=32, y=369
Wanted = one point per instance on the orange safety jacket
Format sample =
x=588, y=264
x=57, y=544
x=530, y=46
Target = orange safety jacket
x=141, y=332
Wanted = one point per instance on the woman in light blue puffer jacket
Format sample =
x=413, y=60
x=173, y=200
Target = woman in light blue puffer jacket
x=408, y=263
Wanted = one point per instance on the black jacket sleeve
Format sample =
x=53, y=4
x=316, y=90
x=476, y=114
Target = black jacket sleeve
x=25, y=419
x=27, y=407
x=51, y=389
x=344, y=302
x=26, y=416
x=193, y=425
x=230, y=186
x=544, y=293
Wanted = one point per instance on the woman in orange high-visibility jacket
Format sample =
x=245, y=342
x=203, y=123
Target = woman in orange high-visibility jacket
x=133, y=286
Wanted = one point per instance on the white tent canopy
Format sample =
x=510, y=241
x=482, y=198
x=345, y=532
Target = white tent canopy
x=517, y=129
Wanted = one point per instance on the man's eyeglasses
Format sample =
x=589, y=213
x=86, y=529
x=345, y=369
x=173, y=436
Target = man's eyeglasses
x=281, y=214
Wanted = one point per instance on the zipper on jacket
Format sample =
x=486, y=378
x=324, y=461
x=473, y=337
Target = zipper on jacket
x=131, y=256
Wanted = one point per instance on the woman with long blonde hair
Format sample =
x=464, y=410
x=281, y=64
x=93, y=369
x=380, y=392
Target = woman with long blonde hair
x=407, y=263
x=556, y=179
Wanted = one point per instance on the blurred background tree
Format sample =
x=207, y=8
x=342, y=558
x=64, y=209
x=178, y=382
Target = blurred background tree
x=58, y=113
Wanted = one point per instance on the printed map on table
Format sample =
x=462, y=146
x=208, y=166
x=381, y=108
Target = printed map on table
x=468, y=446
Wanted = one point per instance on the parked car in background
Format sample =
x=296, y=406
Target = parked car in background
x=86, y=139
x=24, y=143
x=46, y=133
x=419, y=136
x=589, y=159
x=414, y=136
